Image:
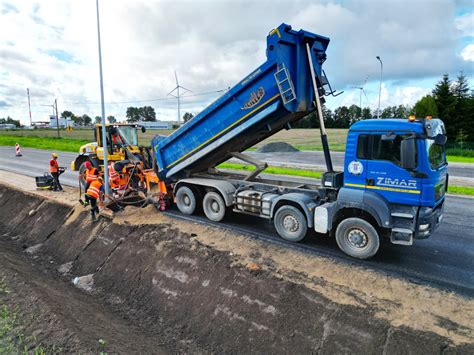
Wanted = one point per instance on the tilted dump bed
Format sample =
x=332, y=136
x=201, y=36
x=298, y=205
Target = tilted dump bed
x=270, y=98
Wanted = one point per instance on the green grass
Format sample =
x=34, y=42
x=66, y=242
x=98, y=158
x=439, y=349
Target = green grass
x=461, y=190
x=459, y=159
x=84, y=134
x=59, y=144
x=274, y=170
x=12, y=340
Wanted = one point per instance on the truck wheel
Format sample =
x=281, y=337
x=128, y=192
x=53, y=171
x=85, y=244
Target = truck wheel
x=357, y=238
x=186, y=200
x=290, y=223
x=214, y=206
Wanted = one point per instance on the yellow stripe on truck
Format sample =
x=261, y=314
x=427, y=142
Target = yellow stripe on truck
x=384, y=188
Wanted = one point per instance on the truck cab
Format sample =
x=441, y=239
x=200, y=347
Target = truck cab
x=395, y=171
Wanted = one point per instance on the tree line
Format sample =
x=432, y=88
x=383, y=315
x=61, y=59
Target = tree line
x=451, y=101
x=10, y=120
x=85, y=119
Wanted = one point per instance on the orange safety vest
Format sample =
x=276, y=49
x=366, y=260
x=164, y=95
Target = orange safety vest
x=53, y=166
x=91, y=175
x=113, y=174
x=94, y=189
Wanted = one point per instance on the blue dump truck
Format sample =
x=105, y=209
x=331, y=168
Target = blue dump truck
x=395, y=171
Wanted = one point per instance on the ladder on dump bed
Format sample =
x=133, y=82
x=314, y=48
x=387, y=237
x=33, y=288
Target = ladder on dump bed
x=285, y=85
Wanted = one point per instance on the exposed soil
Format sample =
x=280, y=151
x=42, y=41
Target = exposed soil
x=173, y=286
x=277, y=147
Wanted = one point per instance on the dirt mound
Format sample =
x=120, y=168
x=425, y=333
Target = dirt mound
x=191, y=297
x=277, y=147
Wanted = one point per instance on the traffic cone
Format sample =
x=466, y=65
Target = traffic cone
x=17, y=150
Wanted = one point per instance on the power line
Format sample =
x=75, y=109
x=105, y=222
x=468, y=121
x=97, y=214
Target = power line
x=130, y=102
x=140, y=101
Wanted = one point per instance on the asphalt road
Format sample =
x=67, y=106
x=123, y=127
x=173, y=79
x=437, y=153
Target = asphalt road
x=35, y=162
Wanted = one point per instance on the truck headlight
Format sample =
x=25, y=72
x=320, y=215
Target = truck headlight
x=424, y=227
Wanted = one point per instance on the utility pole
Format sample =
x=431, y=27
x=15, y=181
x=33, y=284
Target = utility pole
x=29, y=105
x=57, y=117
x=104, y=132
x=380, y=87
x=178, y=94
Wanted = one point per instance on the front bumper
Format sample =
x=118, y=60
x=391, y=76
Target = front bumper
x=429, y=220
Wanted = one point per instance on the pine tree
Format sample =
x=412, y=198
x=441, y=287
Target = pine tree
x=445, y=101
x=462, y=113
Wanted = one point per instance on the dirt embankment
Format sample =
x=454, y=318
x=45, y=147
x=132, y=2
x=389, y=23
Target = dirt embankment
x=185, y=295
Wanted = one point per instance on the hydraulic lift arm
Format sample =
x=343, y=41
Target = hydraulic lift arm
x=322, y=128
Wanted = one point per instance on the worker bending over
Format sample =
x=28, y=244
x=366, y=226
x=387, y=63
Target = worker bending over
x=92, y=195
x=114, y=177
x=54, y=170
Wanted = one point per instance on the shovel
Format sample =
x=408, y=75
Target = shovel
x=80, y=194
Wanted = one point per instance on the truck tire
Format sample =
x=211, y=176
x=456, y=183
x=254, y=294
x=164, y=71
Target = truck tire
x=186, y=200
x=357, y=238
x=214, y=206
x=290, y=223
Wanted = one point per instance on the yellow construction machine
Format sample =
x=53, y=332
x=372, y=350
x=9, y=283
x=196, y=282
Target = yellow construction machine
x=134, y=163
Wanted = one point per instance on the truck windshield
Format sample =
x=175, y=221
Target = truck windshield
x=436, y=154
x=130, y=134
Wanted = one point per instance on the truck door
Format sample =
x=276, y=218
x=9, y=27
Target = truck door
x=355, y=164
x=385, y=174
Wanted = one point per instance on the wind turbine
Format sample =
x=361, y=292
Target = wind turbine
x=361, y=90
x=178, y=94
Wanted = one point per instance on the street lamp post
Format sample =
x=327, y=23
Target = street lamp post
x=380, y=87
x=104, y=132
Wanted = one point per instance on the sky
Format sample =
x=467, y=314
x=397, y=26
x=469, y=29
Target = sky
x=50, y=47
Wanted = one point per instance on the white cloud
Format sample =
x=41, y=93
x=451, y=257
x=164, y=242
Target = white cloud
x=468, y=53
x=465, y=24
x=212, y=45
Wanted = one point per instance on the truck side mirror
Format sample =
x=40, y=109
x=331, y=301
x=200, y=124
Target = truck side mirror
x=408, y=154
x=143, y=129
x=441, y=139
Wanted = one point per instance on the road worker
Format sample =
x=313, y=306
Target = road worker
x=54, y=170
x=91, y=174
x=92, y=195
x=114, y=177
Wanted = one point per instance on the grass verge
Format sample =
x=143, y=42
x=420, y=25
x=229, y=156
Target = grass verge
x=455, y=190
x=459, y=159
x=49, y=143
x=274, y=170
x=461, y=190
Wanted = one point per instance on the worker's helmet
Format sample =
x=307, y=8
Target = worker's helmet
x=54, y=155
x=87, y=164
x=100, y=179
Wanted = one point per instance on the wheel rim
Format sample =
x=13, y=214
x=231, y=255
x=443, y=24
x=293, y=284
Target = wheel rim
x=215, y=206
x=357, y=238
x=290, y=223
x=186, y=200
